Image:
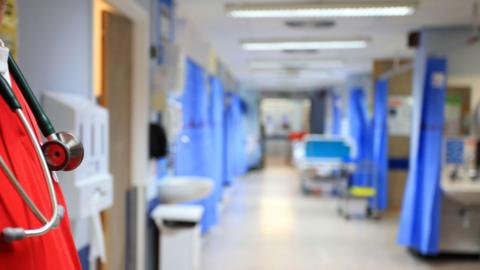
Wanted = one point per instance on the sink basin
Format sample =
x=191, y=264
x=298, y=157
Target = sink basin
x=183, y=189
x=466, y=192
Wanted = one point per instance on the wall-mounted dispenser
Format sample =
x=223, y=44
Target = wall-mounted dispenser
x=89, y=189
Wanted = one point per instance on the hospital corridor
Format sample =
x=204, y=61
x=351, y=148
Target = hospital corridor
x=239, y=134
x=272, y=226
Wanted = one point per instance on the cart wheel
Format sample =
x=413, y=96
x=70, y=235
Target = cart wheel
x=347, y=217
x=339, y=211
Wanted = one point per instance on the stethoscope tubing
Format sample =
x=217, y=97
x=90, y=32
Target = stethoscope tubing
x=42, y=119
x=47, y=176
x=14, y=181
x=10, y=234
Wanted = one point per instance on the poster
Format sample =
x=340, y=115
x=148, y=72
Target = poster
x=453, y=115
x=8, y=31
x=400, y=115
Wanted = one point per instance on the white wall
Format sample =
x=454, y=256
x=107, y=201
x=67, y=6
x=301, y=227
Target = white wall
x=465, y=59
x=464, y=68
x=145, y=4
x=55, y=45
x=191, y=41
x=278, y=108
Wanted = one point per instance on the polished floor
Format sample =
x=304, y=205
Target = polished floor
x=269, y=225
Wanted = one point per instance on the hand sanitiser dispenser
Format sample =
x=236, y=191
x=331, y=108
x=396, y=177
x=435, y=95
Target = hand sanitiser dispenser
x=89, y=189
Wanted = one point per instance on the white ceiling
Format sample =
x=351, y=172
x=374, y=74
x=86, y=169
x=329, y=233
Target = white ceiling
x=388, y=38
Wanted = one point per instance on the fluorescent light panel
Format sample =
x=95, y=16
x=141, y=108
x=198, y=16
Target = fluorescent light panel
x=288, y=74
x=374, y=9
x=303, y=45
x=306, y=64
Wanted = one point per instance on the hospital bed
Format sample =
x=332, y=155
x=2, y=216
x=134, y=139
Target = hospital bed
x=326, y=166
x=323, y=163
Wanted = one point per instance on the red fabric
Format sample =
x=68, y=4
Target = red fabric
x=54, y=250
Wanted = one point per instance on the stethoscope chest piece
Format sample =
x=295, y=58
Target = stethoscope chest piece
x=63, y=152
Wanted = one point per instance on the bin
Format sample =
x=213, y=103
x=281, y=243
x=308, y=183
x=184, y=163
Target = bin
x=180, y=236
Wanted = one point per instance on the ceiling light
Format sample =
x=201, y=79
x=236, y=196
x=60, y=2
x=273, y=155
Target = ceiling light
x=369, y=9
x=300, y=64
x=310, y=24
x=303, y=45
x=291, y=74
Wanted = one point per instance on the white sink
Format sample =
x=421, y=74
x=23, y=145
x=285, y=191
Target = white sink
x=466, y=192
x=181, y=189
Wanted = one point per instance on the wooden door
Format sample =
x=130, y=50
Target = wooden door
x=116, y=97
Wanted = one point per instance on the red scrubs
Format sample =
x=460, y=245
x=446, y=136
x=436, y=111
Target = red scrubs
x=54, y=250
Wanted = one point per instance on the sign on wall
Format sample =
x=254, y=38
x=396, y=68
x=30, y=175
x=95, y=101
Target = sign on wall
x=453, y=115
x=400, y=115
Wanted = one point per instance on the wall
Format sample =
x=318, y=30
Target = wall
x=145, y=4
x=191, y=41
x=280, y=109
x=55, y=45
x=464, y=70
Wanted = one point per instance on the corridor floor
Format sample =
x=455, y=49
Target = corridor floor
x=269, y=225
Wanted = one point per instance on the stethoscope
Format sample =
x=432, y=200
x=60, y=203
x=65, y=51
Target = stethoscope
x=61, y=151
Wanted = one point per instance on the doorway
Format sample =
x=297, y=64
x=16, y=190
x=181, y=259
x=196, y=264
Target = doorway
x=116, y=96
x=281, y=117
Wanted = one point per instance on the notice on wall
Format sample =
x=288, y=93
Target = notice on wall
x=453, y=115
x=8, y=32
x=400, y=115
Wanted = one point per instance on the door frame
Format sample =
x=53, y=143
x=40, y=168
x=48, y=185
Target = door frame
x=140, y=104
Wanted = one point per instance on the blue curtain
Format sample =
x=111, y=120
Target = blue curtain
x=235, y=139
x=240, y=137
x=193, y=145
x=216, y=115
x=336, y=115
x=194, y=98
x=380, y=144
x=420, y=216
x=227, y=175
x=361, y=133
